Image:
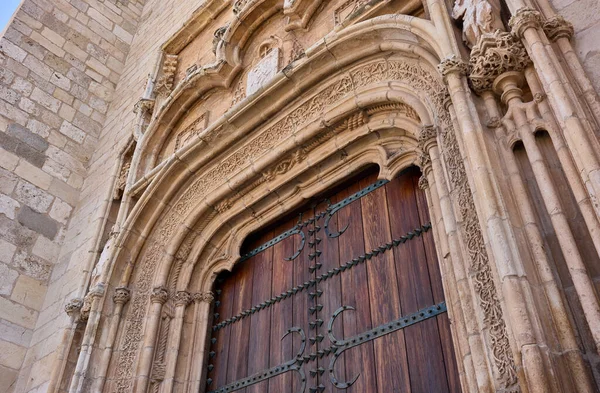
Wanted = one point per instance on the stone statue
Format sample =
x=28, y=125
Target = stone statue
x=479, y=17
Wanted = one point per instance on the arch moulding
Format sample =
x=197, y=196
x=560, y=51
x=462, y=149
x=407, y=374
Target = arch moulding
x=382, y=104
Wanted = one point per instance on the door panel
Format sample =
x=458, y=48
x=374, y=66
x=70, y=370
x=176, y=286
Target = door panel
x=345, y=296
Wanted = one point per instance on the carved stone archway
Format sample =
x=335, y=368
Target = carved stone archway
x=385, y=105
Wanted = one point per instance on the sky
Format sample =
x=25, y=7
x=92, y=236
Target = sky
x=7, y=8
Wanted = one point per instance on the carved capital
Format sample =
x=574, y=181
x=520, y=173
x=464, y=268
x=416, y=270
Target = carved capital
x=424, y=161
x=453, y=65
x=427, y=137
x=183, y=298
x=494, y=55
x=204, y=297
x=159, y=295
x=73, y=306
x=558, y=27
x=143, y=106
x=97, y=291
x=122, y=295
x=423, y=182
x=524, y=19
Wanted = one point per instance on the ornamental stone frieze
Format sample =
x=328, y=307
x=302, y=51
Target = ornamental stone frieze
x=494, y=55
x=204, y=297
x=182, y=298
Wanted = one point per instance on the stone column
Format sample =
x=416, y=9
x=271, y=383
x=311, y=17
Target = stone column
x=559, y=30
x=158, y=298
x=526, y=23
x=94, y=297
x=558, y=309
x=508, y=84
x=469, y=348
x=182, y=299
x=120, y=298
x=202, y=309
x=72, y=308
x=579, y=192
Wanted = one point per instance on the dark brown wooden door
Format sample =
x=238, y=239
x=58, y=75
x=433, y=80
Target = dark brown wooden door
x=346, y=296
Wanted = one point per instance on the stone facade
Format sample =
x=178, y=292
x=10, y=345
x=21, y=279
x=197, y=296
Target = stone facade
x=141, y=142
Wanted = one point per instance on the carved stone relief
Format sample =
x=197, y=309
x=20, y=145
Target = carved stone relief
x=193, y=130
x=346, y=10
x=493, y=55
x=263, y=71
x=478, y=17
x=411, y=73
x=164, y=86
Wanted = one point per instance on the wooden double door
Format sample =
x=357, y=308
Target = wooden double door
x=345, y=296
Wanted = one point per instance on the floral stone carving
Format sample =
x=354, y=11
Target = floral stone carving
x=494, y=55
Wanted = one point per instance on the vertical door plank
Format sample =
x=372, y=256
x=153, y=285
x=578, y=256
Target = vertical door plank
x=355, y=293
x=260, y=322
x=383, y=293
x=438, y=295
x=332, y=290
x=221, y=360
x=282, y=312
x=425, y=357
x=238, y=348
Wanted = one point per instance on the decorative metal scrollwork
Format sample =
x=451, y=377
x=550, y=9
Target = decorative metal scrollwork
x=301, y=247
x=289, y=366
x=331, y=210
x=370, y=335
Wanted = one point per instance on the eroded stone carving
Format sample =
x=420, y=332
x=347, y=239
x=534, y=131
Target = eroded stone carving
x=494, y=55
x=452, y=64
x=523, y=19
x=218, y=37
x=192, y=131
x=263, y=71
x=285, y=165
x=398, y=107
x=159, y=295
x=122, y=295
x=182, y=298
x=164, y=86
x=347, y=9
x=479, y=17
x=73, y=306
x=558, y=27
x=204, y=297
x=239, y=5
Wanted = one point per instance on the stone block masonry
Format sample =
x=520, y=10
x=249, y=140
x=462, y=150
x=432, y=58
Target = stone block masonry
x=60, y=61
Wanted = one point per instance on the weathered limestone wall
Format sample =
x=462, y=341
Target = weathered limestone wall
x=60, y=61
x=159, y=20
x=584, y=16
